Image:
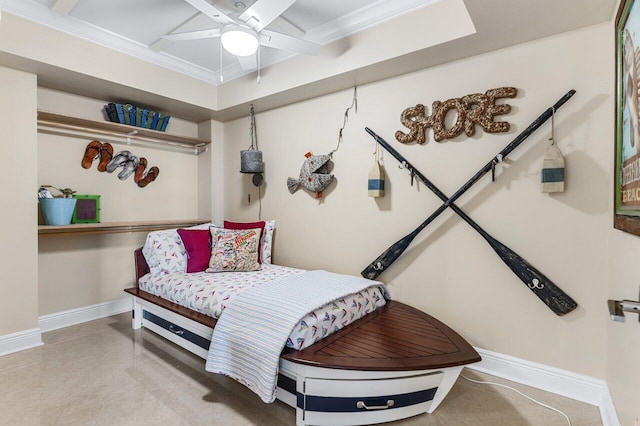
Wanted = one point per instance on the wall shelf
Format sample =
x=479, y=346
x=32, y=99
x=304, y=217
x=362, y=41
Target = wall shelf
x=115, y=227
x=50, y=120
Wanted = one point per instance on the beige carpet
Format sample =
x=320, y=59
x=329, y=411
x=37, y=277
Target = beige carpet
x=104, y=373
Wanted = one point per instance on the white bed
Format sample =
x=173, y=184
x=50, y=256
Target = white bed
x=375, y=361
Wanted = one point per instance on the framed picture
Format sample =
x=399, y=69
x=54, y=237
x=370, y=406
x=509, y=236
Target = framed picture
x=87, y=209
x=627, y=137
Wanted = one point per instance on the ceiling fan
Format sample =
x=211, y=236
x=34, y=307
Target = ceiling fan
x=242, y=36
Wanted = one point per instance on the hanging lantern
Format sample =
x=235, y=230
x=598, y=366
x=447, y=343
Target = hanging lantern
x=251, y=159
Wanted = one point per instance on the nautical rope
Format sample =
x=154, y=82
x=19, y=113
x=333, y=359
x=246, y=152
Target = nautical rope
x=553, y=125
x=354, y=104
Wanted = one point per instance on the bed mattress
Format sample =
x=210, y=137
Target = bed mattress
x=210, y=293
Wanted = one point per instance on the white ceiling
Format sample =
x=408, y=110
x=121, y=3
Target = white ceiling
x=137, y=26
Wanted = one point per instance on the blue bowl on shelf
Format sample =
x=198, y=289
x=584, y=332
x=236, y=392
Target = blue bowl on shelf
x=57, y=211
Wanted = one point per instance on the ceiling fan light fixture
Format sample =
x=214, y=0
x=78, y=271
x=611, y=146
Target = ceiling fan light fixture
x=239, y=40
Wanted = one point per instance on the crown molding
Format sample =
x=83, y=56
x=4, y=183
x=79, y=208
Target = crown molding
x=42, y=15
x=359, y=20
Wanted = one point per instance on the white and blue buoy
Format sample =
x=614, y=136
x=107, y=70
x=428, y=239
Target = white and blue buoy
x=376, y=180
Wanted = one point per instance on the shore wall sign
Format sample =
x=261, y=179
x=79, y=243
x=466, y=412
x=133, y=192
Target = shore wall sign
x=475, y=109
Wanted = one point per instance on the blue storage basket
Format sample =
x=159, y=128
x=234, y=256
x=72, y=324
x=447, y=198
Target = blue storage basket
x=57, y=211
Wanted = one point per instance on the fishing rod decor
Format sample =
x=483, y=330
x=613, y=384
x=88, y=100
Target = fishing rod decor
x=475, y=109
x=314, y=173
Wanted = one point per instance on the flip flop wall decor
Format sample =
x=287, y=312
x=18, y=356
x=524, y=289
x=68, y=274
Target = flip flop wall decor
x=131, y=165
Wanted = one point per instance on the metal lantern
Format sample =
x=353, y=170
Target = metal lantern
x=251, y=161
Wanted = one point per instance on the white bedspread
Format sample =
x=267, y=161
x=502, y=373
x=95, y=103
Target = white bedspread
x=251, y=333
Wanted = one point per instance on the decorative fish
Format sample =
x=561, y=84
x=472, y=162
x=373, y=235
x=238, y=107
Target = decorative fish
x=314, y=175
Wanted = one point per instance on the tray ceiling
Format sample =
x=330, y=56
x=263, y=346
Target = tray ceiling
x=136, y=27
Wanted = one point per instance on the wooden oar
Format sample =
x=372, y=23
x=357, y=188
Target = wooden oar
x=549, y=293
x=556, y=299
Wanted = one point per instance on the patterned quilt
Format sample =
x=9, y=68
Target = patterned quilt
x=249, y=338
x=210, y=293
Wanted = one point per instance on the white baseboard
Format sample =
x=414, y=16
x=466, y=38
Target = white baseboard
x=15, y=342
x=88, y=313
x=555, y=380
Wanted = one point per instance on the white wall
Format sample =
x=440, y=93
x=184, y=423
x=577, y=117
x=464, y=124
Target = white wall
x=19, y=248
x=450, y=271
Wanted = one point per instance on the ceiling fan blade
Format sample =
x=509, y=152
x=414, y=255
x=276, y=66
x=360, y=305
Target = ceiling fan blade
x=248, y=62
x=285, y=42
x=289, y=27
x=162, y=44
x=192, y=35
x=263, y=12
x=211, y=11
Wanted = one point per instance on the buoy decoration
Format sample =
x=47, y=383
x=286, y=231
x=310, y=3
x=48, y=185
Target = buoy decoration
x=553, y=170
x=376, y=180
x=552, y=167
x=376, y=176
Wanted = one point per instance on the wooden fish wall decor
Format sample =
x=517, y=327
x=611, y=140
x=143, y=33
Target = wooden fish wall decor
x=473, y=109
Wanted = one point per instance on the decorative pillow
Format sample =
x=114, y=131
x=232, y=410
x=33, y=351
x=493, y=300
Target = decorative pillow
x=234, y=250
x=248, y=225
x=266, y=236
x=164, y=251
x=197, y=244
x=267, y=239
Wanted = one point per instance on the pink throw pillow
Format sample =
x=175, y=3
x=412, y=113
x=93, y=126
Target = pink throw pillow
x=248, y=225
x=197, y=243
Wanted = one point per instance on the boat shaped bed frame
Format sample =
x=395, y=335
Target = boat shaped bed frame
x=394, y=363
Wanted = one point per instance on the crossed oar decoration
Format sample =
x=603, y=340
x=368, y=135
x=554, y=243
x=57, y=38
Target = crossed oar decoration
x=556, y=299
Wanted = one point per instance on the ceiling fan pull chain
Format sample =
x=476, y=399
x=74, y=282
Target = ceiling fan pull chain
x=221, y=77
x=258, y=54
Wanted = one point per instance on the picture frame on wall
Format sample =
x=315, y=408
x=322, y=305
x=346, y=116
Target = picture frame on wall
x=627, y=135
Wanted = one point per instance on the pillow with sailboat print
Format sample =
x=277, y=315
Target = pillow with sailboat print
x=234, y=250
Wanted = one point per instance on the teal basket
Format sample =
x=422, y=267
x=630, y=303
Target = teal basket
x=57, y=211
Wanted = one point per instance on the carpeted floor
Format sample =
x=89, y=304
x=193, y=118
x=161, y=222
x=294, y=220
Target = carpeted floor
x=104, y=373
